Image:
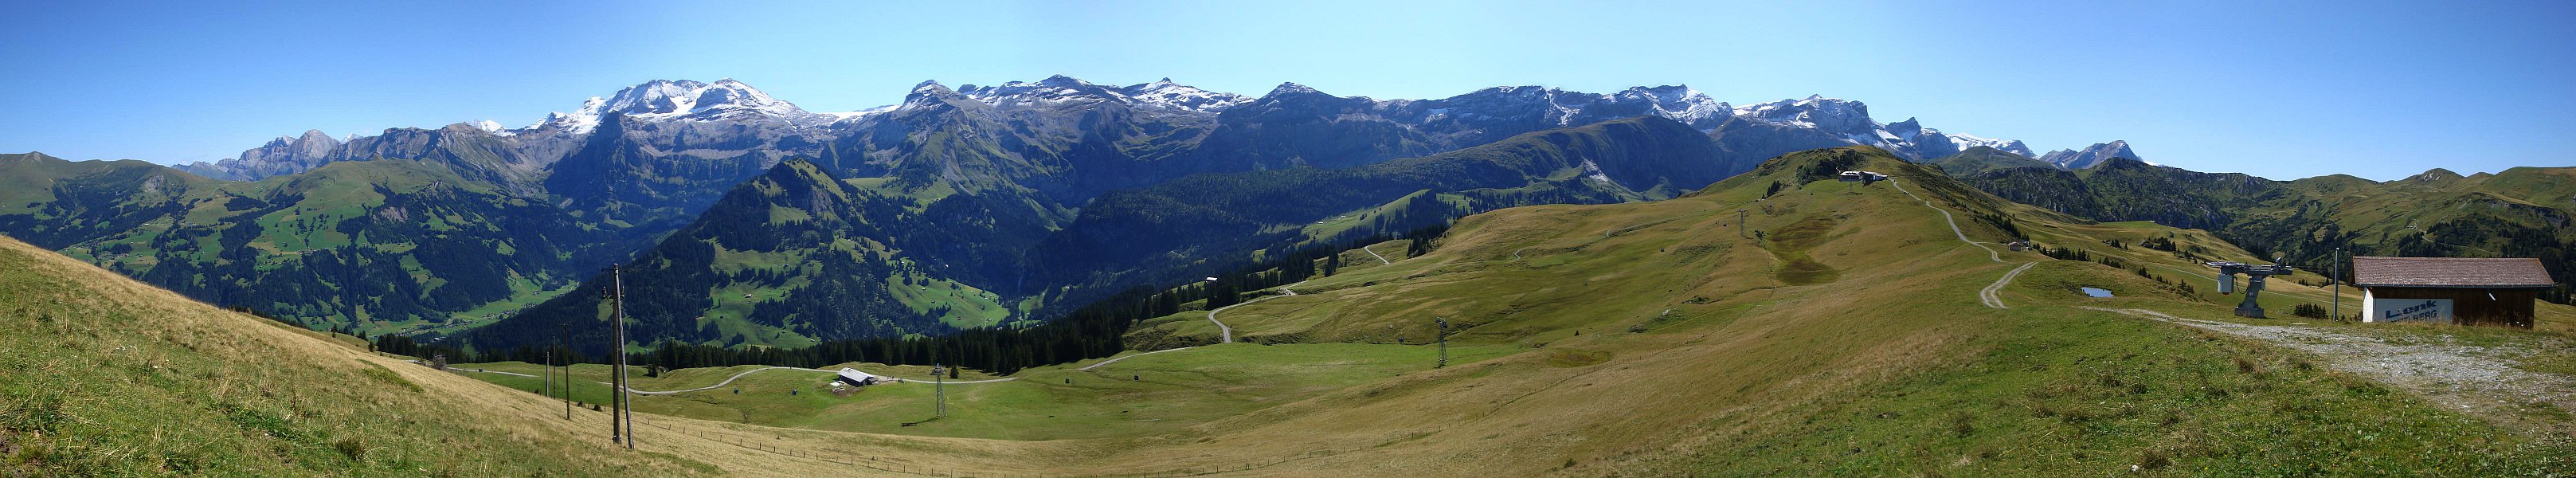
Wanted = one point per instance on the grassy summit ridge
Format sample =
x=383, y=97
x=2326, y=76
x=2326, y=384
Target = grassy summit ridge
x=1664, y=344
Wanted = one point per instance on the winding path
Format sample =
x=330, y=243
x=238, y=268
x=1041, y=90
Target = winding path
x=1954, y=223
x=727, y=380
x=1988, y=295
x=1373, y=253
x=1226, y=334
x=1115, y=360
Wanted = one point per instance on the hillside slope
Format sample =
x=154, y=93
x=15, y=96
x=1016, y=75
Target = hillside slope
x=2518, y=212
x=385, y=245
x=107, y=376
x=1849, y=338
x=1852, y=333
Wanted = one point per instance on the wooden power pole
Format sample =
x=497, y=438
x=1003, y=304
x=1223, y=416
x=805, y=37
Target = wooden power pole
x=2338, y=283
x=563, y=330
x=621, y=422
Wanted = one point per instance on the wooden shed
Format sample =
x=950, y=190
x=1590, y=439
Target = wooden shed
x=2465, y=291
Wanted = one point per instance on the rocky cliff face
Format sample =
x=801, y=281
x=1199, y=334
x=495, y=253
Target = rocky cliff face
x=2090, y=156
x=283, y=155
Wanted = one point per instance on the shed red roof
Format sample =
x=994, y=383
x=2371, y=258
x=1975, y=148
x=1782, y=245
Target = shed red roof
x=2369, y=271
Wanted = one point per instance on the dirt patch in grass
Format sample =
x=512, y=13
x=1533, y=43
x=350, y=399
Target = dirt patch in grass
x=1570, y=358
x=1790, y=245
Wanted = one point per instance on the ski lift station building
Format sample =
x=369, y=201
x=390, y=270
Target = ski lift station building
x=2465, y=291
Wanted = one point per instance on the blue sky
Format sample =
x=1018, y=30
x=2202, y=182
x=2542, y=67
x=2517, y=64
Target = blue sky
x=2379, y=90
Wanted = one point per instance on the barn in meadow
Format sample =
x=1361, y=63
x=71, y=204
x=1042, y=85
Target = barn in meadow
x=2450, y=290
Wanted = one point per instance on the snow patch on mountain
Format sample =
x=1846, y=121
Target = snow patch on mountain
x=1593, y=171
x=1165, y=94
x=677, y=100
x=494, y=127
x=2090, y=156
x=1678, y=102
x=841, y=116
x=2013, y=146
x=1834, y=115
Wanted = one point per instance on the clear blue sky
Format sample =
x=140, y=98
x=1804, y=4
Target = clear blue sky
x=2379, y=90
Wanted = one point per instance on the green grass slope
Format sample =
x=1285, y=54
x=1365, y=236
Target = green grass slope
x=1664, y=344
x=388, y=245
x=1650, y=339
x=109, y=377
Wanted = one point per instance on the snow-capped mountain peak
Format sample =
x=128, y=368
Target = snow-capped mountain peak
x=1061, y=81
x=494, y=127
x=1815, y=111
x=927, y=87
x=1850, y=120
x=685, y=99
x=2091, y=156
x=1174, y=96
x=1679, y=102
x=581, y=120
x=2013, y=146
x=927, y=94
x=1291, y=88
x=1159, y=96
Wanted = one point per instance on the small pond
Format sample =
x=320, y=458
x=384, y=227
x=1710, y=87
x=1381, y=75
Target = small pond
x=2096, y=291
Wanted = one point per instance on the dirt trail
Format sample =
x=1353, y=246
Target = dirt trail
x=727, y=380
x=1954, y=222
x=1115, y=360
x=1226, y=334
x=1988, y=295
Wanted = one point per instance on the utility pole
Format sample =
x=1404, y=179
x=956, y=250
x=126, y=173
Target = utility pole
x=2338, y=283
x=1444, y=341
x=564, y=329
x=939, y=391
x=621, y=426
x=547, y=387
x=1739, y=224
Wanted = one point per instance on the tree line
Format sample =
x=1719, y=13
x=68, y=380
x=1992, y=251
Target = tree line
x=1095, y=330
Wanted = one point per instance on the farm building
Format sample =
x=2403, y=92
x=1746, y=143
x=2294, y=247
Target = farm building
x=854, y=377
x=2465, y=291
